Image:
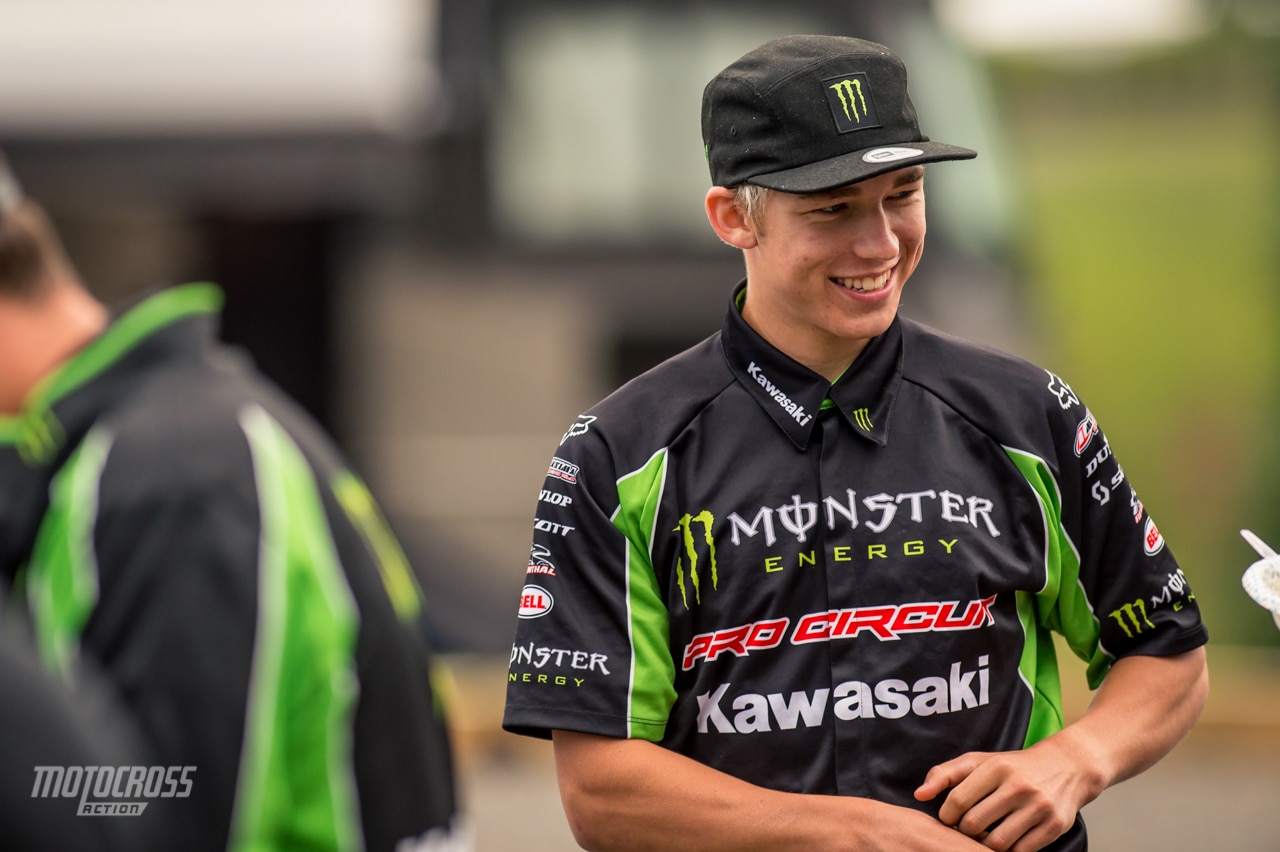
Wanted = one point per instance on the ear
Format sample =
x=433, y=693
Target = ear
x=727, y=220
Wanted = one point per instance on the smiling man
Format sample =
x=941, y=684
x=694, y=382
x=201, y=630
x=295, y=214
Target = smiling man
x=818, y=558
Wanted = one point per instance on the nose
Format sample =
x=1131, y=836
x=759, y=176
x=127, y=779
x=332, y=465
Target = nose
x=874, y=237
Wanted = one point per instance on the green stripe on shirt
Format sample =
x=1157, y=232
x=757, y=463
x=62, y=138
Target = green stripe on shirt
x=296, y=787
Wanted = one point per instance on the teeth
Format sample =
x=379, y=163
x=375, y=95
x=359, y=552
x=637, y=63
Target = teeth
x=864, y=285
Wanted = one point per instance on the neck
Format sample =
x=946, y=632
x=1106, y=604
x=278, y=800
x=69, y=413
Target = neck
x=827, y=355
x=38, y=334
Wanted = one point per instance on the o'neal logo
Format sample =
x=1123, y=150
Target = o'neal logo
x=850, y=100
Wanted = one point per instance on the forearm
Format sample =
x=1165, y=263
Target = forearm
x=1143, y=708
x=634, y=795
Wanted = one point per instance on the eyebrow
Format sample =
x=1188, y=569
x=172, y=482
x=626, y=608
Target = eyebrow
x=909, y=175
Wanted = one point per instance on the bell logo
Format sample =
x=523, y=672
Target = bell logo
x=1152, y=540
x=535, y=602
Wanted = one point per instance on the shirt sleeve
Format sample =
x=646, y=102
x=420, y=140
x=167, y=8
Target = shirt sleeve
x=590, y=651
x=1129, y=594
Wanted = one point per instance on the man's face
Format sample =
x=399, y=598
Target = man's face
x=827, y=271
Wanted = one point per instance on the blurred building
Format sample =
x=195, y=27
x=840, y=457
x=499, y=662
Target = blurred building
x=447, y=227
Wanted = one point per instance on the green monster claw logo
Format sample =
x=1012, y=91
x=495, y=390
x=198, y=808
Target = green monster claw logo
x=850, y=94
x=862, y=417
x=1127, y=616
x=685, y=527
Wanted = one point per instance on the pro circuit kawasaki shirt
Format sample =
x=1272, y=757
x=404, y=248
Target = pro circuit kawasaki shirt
x=831, y=588
x=171, y=516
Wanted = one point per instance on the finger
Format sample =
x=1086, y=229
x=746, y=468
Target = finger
x=974, y=804
x=947, y=774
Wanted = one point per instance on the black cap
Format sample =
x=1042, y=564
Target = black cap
x=808, y=113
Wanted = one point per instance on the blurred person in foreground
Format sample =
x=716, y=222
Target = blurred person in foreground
x=168, y=514
x=795, y=587
x=52, y=734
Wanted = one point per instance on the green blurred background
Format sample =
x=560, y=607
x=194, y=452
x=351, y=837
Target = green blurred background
x=1150, y=198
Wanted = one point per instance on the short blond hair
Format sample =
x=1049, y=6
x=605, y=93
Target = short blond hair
x=749, y=200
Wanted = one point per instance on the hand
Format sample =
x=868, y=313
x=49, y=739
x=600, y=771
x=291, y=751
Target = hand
x=1017, y=801
x=882, y=827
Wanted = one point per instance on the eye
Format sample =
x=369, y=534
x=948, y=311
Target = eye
x=832, y=209
x=904, y=194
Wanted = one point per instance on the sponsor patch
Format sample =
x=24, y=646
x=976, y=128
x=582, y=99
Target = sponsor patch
x=535, y=602
x=852, y=106
x=1152, y=540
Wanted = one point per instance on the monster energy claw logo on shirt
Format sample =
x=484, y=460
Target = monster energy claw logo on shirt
x=852, y=107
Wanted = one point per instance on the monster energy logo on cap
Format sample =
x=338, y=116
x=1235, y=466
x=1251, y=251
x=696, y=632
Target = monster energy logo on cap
x=852, y=107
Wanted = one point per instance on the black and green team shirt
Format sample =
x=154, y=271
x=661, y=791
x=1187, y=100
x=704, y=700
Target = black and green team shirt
x=829, y=588
x=168, y=514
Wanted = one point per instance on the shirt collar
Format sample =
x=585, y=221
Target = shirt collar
x=59, y=412
x=792, y=394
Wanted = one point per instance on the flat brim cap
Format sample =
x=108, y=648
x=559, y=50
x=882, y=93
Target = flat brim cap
x=807, y=114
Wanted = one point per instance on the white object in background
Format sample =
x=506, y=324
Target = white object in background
x=1262, y=579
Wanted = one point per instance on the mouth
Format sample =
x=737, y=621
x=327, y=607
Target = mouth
x=865, y=285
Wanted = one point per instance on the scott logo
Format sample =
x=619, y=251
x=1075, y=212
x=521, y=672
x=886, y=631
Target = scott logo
x=851, y=103
x=535, y=602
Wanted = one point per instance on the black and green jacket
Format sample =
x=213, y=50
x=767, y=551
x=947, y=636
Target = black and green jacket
x=168, y=513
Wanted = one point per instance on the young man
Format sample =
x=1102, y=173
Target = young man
x=795, y=588
x=172, y=517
